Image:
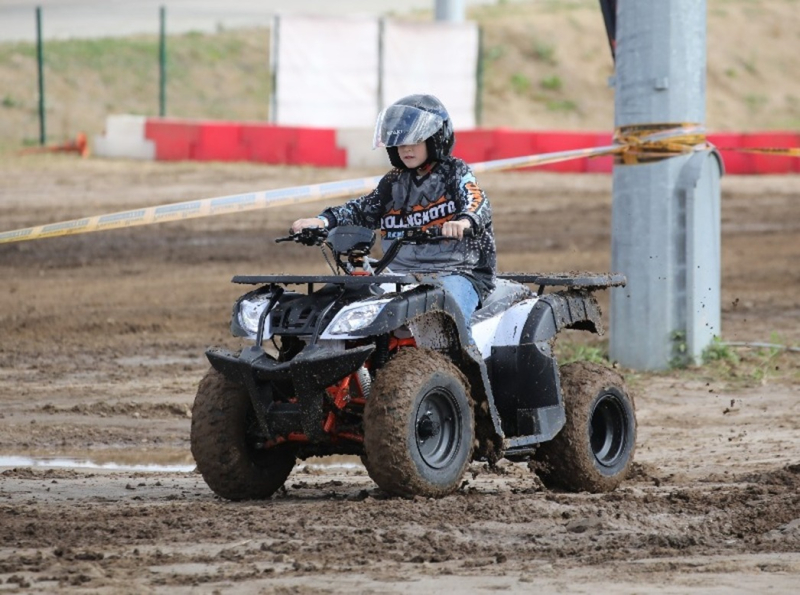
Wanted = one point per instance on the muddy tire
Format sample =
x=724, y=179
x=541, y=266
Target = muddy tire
x=593, y=452
x=419, y=425
x=234, y=470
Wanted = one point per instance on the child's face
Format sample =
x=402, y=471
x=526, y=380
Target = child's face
x=413, y=155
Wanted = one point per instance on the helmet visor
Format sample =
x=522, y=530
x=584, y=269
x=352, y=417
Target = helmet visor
x=399, y=125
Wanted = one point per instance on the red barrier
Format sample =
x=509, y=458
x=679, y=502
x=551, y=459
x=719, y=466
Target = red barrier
x=174, y=139
x=317, y=146
x=474, y=146
x=736, y=162
x=266, y=143
x=220, y=141
x=771, y=164
x=511, y=143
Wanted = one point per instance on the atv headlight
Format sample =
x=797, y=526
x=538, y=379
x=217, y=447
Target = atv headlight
x=250, y=311
x=355, y=317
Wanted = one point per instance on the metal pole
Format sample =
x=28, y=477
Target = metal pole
x=665, y=214
x=40, y=64
x=479, y=81
x=450, y=10
x=162, y=63
x=274, y=63
x=381, y=100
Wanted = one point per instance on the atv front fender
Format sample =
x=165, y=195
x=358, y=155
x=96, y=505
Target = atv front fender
x=311, y=372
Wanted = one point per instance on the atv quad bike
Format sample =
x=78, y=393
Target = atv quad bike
x=381, y=365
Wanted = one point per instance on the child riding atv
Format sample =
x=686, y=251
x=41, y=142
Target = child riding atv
x=428, y=188
x=420, y=368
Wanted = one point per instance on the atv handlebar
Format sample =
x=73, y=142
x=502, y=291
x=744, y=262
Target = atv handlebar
x=316, y=236
x=430, y=235
x=308, y=236
x=415, y=236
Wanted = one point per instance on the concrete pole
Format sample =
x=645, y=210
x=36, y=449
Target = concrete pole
x=665, y=214
x=450, y=10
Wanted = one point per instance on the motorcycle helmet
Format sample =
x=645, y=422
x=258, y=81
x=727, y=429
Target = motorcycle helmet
x=411, y=120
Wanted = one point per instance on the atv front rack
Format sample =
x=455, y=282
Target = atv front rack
x=349, y=280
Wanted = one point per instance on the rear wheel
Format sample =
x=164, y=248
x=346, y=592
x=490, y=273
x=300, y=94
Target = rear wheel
x=225, y=454
x=594, y=450
x=418, y=425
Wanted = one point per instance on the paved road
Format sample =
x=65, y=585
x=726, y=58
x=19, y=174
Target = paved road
x=101, y=18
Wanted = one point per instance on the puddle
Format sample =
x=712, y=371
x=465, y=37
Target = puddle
x=117, y=463
x=67, y=463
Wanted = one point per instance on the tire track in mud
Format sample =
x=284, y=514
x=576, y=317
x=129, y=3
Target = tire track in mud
x=341, y=523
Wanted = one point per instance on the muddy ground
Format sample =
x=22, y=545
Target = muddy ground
x=101, y=349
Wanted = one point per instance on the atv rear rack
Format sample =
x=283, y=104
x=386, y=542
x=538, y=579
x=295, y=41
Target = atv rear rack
x=587, y=281
x=583, y=280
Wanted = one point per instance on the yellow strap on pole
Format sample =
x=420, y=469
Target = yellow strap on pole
x=651, y=142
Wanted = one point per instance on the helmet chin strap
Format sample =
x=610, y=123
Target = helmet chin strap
x=426, y=167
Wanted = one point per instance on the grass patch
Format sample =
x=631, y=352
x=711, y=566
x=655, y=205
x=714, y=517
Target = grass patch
x=561, y=105
x=520, y=83
x=551, y=83
x=494, y=53
x=544, y=52
x=755, y=102
x=9, y=102
x=745, y=366
x=719, y=351
x=568, y=352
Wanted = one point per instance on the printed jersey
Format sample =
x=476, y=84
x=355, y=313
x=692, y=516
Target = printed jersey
x=425, y=198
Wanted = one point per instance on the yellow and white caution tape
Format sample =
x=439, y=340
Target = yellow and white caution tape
x=632, y=144
x=782, y=151
x=542, y=159
x=260, y=200
x=195, y=208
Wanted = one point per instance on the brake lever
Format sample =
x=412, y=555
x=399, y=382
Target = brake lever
x=308, y=236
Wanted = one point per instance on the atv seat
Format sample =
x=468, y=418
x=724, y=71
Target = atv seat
x=505, y=294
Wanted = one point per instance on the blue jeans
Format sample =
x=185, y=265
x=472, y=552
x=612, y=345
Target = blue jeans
x=463, y=292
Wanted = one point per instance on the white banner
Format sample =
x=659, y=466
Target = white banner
x=339, y=73
x=326, y=71
x=438, y=58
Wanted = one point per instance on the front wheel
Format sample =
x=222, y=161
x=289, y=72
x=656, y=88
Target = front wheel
x=419, y=425
x=594, y=450
x=223, y=449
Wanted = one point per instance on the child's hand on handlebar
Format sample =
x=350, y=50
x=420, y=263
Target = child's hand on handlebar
x=302, y=224
x=455, y=229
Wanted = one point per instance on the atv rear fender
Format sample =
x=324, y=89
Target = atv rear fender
x=525, y=378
